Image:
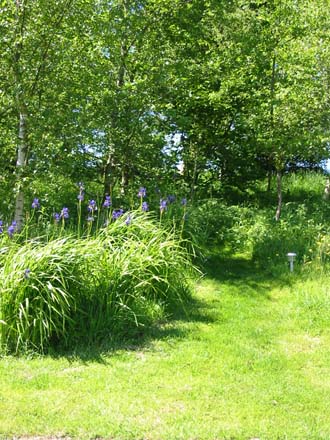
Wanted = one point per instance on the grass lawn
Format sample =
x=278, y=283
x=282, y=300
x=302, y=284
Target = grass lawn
x=251, y=360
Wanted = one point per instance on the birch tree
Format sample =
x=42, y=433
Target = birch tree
x=30, y=41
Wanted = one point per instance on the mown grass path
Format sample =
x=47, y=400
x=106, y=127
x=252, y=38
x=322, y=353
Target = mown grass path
x=251, y=360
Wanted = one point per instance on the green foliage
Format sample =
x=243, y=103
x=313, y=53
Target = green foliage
x=295, y=232
x=303, y=227
x=322, y=250
x=305, y=186
x=69, y=290
x=312, y=302
x=120, y=93
x=214, y=223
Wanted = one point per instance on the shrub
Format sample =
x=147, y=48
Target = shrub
x=295, y=232
x=213, y=223
x=302, y=229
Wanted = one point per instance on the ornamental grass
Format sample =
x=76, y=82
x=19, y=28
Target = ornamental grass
x=67, y=290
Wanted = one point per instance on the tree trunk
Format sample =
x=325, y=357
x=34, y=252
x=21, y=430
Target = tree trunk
x=124, y=180
x=22, y=158
x=269, y=180
x=269, y=173
x=195, y=173
x=279, y=194
x=107, y=169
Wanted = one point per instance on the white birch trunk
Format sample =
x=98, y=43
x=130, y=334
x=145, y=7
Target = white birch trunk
x=22, y=152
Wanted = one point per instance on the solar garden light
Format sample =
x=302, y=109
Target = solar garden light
x=291, y=257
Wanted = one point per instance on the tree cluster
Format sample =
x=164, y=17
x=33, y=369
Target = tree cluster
x=193, y=93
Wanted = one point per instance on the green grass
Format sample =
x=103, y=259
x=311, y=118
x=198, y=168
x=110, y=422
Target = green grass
x=250, y=360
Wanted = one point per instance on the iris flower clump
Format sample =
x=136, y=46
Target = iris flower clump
x=142, y=192
x=117, y=213
x=65, y=286
x=92, y=206
x=163, y=205
x=57, y=217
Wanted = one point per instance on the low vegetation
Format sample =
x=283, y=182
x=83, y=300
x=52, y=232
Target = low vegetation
x=63, y=290
x=130, y=351
x=248, y=359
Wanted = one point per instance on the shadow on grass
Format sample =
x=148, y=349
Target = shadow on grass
x=242, y=274
x=171, y=329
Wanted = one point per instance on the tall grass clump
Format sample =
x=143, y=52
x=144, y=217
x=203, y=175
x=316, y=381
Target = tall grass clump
x=37, y=292
x=70, y=289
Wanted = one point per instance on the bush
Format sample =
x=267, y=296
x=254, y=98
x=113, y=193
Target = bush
x=213, y=223
x=302, y=229
x=295, y=232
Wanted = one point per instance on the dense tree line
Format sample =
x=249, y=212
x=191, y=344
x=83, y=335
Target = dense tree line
x=118, y=93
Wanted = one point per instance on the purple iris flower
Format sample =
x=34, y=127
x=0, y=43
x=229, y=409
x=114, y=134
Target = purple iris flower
x=145, y=206
x=64, y=213
x=1, y=226
x=57, y=217
x=117, y=214
x=184, y=201
x=27, y=273
x=80, y=196
x=92, y=206
x=35, y=203
x=142, y=192
x=163, y=205
x=107, y=202
x=12, y=229
x=171, y=198
x=128, y=221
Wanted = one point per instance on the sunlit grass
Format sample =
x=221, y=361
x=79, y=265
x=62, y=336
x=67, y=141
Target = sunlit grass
x=251, y=360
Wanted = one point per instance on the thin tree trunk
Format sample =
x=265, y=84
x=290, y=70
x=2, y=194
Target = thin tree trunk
x=269, y=180
x=106, y=180
x=272, y=97
x=25, y=93
x=194, y=179
x=107, y=173
x=279, y=194
x=124, y=180
x=22, y=158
